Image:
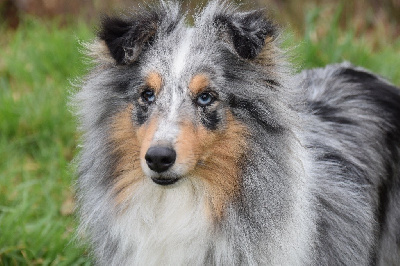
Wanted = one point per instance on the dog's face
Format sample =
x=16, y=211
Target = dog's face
x=180, y=87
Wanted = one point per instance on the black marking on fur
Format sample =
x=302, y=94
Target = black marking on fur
x=329, y=113
x=126, y=38
x=383, y=194
x=254, y=109
x=388, y=186
x=357, y=75
x=248, y=31
x=344, y=166
x=122, y=86
x=273, y=84
x=211, y=119
x=384, y=95
x=141, y=114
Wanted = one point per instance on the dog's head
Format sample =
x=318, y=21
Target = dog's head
x=183, y=97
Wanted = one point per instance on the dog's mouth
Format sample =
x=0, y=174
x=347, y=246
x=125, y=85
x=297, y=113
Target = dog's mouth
x=165, y=181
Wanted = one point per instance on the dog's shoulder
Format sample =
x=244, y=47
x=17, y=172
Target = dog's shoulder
x=351, y=92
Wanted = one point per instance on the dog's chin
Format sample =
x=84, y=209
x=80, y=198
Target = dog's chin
x=165, y=181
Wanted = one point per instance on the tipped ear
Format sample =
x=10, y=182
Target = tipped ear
x=126, y=38
x=247, y=31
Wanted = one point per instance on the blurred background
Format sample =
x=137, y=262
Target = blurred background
x=41, y=59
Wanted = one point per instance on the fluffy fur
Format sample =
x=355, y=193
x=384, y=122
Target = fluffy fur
x=270, y=168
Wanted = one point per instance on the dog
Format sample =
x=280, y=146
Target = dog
x=201, y=146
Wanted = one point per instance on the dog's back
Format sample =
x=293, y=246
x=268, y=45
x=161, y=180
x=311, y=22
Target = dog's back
x=200, y=148
x=355, y=136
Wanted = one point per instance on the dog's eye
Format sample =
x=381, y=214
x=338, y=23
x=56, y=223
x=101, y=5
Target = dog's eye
x=148, y=96
x=205, y=99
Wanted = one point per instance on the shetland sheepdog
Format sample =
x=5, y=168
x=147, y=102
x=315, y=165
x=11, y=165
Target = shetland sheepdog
x=201, y=146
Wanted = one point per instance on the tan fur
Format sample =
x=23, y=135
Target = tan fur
x=145, y=135
x=99, y=52
x=130, y=146
x=199, y=83
x=214, y=157
x=270, y=55
x=154, y=81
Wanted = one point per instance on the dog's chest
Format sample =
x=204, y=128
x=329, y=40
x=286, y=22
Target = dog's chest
x=164, y=227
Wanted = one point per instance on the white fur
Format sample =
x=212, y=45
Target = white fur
x=168, y=128
x=181, y=54
x=164, y=225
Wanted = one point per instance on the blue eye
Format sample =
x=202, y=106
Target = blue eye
x=205, y=99
x=148, y=96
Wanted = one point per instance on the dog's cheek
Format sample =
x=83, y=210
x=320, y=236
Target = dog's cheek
x=219, y=163
x=196, y=137
x=130, y=143
x=125, y=152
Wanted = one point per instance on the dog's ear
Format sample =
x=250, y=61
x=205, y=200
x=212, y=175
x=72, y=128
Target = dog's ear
x=247, y=31
x=126, y=38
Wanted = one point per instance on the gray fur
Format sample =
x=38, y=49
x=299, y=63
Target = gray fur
x=320, y=183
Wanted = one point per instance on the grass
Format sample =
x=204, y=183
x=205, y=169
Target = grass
x=37, y=143
x=325, y=42
x=38, y=137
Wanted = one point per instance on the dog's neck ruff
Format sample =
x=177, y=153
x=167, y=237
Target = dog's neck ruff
x=173, y=226
x=164, y=226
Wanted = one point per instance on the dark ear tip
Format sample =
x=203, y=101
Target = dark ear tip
x=112, y=31
x=248, y=31
x=127, y=37
x=271, y=28
x=111, y=27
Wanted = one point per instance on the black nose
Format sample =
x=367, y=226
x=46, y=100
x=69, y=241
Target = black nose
x=160, y=159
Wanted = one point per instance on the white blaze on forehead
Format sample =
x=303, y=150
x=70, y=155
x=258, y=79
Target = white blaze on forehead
x=168, y=127
x=181, y=53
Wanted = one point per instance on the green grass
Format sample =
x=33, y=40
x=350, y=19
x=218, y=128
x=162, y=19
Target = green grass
x=38, y=136
x=335, y=45
x=37, y=143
